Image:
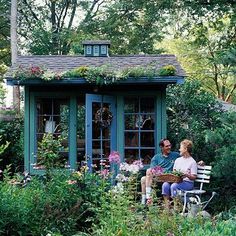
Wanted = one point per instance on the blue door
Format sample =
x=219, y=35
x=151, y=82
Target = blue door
x=100, y=129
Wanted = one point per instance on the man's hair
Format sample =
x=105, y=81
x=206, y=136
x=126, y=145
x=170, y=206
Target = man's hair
x=188, y=144
x=161, y=143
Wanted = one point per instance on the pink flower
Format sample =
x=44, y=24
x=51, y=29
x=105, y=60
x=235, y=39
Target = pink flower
x=114, y=157
x=71, y=181
x=104, y=173
x=138, y=163
x=157, y=170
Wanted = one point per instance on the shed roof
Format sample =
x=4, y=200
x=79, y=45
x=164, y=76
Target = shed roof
x=62, y=63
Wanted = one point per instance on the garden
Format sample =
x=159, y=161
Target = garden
x=65, y=202
x=62, y=202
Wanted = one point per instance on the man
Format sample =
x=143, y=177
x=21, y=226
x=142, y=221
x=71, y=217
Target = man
x=166, y=160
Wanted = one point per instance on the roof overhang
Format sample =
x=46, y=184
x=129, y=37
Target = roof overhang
x=162, y=80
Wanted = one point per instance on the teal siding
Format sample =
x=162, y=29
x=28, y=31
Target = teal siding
x=27, y=130
x=120, y=125
x=161, y=117
x=73, y=133
x=32, y=131
x=118, y=134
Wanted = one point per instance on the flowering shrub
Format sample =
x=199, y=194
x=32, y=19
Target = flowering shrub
x=29, y=72
x=105, y=173
x=127, y=171
x=114, y=157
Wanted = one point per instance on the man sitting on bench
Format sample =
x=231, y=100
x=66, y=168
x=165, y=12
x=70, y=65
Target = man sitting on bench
x=166, y=160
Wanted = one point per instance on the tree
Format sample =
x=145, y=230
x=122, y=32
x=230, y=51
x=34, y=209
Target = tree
x=223, y=140
x=48, y=29
x=4, y=35
x=191, y=111
x=14, y=51
x=208, y=53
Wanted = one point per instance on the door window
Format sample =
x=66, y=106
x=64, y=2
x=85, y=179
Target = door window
x=100, y=130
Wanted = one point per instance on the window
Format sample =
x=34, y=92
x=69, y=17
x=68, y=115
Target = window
x=104, y=50
x=139, y=134
x=96, y=50
x=88, y=49
x=53, y=117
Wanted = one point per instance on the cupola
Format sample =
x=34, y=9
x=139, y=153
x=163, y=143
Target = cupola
x=96, y=48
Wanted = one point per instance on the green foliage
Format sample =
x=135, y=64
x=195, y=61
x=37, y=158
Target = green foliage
x=137, y=72
x=30, y=72
x=48, y=153
x=3, y=147
x=223, y=139
x=77, y=72
x=191, y=112
x=55, y=206
x=4, y=34
x=2, y=95
x=98, y=75
x=120, y=215
x=207, y=51
x=167, y=70
x=12, y=131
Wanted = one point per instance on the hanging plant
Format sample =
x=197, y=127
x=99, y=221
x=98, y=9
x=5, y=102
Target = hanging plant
x=103, y=117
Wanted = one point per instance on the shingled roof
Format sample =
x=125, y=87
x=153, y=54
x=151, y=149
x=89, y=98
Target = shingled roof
x=60, y=63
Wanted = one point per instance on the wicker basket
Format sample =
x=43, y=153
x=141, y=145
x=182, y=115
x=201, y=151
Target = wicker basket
x=168, y=178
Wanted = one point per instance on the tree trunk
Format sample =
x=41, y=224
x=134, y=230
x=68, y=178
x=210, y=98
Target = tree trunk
x=16, y=89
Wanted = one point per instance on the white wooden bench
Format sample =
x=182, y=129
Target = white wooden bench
x=203, y=177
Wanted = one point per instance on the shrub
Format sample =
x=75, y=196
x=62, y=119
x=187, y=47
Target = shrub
x=191, y=111
x=12, y=131
x=58, y=206
x=223, y=140
x=167, y=70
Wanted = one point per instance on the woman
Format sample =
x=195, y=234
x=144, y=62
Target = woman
x=185, y=164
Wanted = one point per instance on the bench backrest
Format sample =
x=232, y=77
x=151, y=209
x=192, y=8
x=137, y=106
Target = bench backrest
x=203, y=175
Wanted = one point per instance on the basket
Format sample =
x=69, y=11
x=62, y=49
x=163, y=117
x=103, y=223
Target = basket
x=171, y=178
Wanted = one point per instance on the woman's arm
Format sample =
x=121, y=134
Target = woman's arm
x=190, y=176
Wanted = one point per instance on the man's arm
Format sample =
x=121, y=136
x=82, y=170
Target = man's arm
x=154, y=161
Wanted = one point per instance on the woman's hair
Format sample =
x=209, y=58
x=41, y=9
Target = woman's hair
x=188, y=144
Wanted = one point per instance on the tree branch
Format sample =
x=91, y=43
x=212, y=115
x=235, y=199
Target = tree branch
x=31, y=10
x=72, y=14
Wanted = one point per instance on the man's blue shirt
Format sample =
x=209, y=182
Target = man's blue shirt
x=166, y=162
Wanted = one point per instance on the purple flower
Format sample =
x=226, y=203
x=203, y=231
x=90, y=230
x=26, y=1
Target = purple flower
x=157, y=170
x=114, y=157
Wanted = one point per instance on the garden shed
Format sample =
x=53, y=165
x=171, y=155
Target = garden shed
x=95, y=103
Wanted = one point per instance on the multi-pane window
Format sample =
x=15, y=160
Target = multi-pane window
x=101, y=136
x=96, y=50
x=139, y=134
x=89, y=49
x=103, y=49
x=53, y=118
